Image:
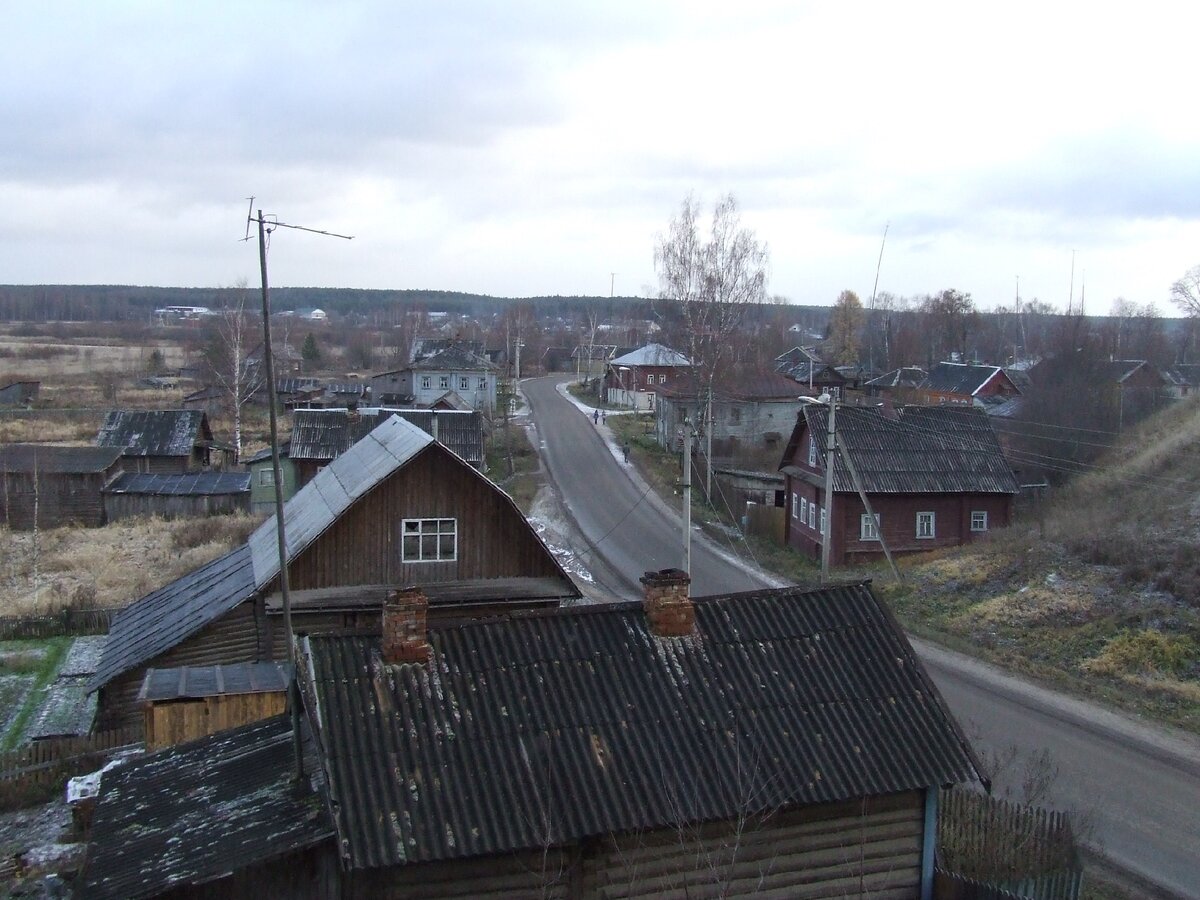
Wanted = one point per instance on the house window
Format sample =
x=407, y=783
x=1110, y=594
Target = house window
x=925, y=525
x=464, y=383
x=868, y=528
x=266, y=477
x=735, y=416
x=483, y=384
x=803, y=510
x=444, y=382
x=822, y=520
x=429, y=540
x=812, y=451
x=426, y=382
x=979, y=520
x=795, y=501
x=812, y=515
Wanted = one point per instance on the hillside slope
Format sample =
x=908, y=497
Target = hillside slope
x=1103, y=596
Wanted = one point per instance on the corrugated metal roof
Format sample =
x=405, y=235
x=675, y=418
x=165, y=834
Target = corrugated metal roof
x=193, y=484
x=454, y=359
x=213, y=681
x=652, y=355
x=155, y=432
x=163, y=618
x=942, y=451
x=463, y=593
x=318, y=504
x=906, y=376
x=324, y=434
x=536, y=730
x=958, y=378
x=48, y=458
x=198, y=811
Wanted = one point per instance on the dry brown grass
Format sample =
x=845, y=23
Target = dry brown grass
x=110, y=566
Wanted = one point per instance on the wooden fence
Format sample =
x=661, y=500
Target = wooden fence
x=1028, y=851
x=27, y=774
x=765, y=521
x=67, y=622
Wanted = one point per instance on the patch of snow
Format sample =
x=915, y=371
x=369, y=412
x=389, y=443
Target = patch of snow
x=84, y=656
x=84, y=787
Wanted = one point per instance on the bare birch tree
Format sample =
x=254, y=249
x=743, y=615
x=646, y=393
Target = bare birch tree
x=234, y=336
x=710, y=280
x=1186, y=292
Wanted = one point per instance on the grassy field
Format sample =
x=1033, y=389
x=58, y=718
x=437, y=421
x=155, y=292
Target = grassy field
x=513, y=464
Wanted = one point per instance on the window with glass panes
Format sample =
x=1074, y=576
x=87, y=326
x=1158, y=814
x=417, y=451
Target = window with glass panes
x=429, y=540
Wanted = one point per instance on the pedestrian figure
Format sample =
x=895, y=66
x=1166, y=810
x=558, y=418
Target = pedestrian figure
x=604, y=416
x=625, y=450
x=596, y=416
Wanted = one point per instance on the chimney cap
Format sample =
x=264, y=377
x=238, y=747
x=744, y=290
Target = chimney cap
x=666, y=576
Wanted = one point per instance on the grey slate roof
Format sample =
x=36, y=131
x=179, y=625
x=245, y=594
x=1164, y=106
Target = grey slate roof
x=959, y=378
x=159, y=432
x=324, y=434
x=194, y=484
x=454, y=359
x=906, y=376
x=550, y=727
x=651, y=355
x=198, y=811
x=941, y=451
x=213, y=681
x=22, y=458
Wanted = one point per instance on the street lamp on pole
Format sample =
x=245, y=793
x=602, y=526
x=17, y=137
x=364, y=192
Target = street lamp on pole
x=621, y=370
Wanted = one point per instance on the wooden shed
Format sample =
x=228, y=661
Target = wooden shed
x=54, y=485
x=191, y=702
x=194, y=494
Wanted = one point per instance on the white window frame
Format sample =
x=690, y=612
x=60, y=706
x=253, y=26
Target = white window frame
x=464, y=383
x=804, y=509
x=822, y=520
x=979, y=520
x=444, y=382
x=795, y=505
x=483, y=383
x=424, y=540
x=812, y=515
x=812, y=451
x=868, y=527
x=426, y=382
x=266, y=477
x=922, y=518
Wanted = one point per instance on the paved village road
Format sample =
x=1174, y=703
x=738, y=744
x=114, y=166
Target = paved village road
x=1139, y=787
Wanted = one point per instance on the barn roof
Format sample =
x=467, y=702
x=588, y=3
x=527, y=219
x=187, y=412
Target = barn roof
x=195, y=812
x=20, y=458
x=930, y=450
x=324, y=434
x=539, y=729
x=156, y=432
x=189, y=484
x=212, y=681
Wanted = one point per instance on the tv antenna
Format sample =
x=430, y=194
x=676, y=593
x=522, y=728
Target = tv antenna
x=266, y=226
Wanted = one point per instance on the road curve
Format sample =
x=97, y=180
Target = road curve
x=1138, y=787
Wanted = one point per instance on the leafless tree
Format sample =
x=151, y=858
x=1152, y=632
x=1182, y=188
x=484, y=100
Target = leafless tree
x=710, y=281
x=234, y=335
x=1186, y=291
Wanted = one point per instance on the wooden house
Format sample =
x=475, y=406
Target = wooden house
x=782, y=742
x=55, y=485
x=749, y=410
x=163, y=440
x=397, y=508
x=935, y=477
x=965, y=384
x=262, y=478
x=175, y=496
x=634, y=379
x=454, y=368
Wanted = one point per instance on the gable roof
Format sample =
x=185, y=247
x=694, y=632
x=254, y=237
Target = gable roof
x=195, y=812
x=157, y=432
x=454, y=359
x=905, y=376
x=961, y=378
x=324, y=434
x=741, y=384
x=927, y=451
x=22, y=458
x=539, y=729
x=652, y=355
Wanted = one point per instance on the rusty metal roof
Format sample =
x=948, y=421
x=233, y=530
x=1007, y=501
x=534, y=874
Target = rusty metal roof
x=25, y=458
x=930, y=450
x=196, y=812
x=535, y=730
x=156, y=432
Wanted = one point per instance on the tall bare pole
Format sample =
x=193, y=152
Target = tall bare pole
x=830, y=451
x=878, y=266
x=687, y=496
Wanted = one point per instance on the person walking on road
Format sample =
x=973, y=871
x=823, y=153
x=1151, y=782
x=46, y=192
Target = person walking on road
x=625, y=450
x=596, y=416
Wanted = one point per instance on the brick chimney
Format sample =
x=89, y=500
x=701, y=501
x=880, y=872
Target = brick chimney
x=404, y=632
x=668, y=607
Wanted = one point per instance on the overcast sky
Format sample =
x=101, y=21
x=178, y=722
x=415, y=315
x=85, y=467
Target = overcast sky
x=521, y=149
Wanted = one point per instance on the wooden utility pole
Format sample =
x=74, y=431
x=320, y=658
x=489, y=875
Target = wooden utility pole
x=687, y=496
x=830, y=450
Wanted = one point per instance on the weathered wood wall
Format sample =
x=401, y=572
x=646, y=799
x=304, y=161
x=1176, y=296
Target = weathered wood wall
x=173, y=506
x=176, y=721
x=62, y=498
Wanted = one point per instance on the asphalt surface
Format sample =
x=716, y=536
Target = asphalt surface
x=1134, y=788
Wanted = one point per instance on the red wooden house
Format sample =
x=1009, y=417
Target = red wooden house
x=935, y=477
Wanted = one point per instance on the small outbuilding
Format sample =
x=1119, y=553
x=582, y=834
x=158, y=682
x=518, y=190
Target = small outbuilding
x=163, y=440
x=187, y=495
x=54, y=486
